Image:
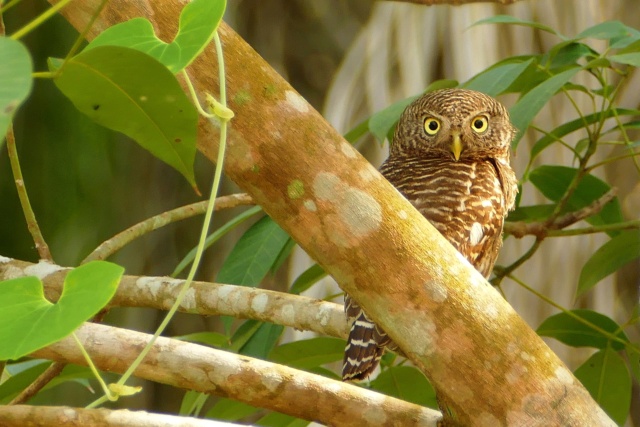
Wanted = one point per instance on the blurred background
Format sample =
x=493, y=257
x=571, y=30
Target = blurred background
x=348, y=58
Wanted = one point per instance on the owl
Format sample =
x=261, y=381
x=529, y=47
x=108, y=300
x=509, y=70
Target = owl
x=450, y=159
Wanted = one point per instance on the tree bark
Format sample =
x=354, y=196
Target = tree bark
x=484, y=361
x=256, y=382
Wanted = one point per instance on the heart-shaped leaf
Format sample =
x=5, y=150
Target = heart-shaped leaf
x=198, y=23
x=130, y=92
x=15, y=79
x=29, y=322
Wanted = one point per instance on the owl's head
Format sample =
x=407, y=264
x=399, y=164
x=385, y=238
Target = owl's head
x=456, y=124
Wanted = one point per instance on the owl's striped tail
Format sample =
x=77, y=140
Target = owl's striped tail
x=365, y=345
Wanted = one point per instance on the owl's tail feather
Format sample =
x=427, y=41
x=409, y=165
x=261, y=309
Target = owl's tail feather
x=364, y=349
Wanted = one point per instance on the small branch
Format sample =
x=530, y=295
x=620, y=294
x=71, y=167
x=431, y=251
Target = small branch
x=255, y=382
x=543, y=229
x=38, y=384
x=502, y=272
x=454, y=2
x=117, y=242
x=299, y=312
x=22, y=415
x=32, y=223
x=627, y=225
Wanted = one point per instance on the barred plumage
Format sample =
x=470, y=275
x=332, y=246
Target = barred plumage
x=450, y=159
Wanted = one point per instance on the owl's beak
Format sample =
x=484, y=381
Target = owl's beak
x=456, y=146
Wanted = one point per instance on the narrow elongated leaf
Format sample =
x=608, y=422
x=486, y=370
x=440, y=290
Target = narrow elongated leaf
x=198, y=23
x=130, y=92
x=406, y=383
x=255, y=253
x=606, y=377
x=531, y=213
x=620, y=250
x=230, y=410
x=15, y=80
x=276, y=419
x=310, y=353
x=507, y=19
x=381, y=123
x=575, y=125
x=553, y=181
x=496, y=80
x=627, y=58
x=262, y=341
x=23, y=307
x=307, y=279
x=607, y=30
x=212, y=339
x=567, y=329
x=523, y=112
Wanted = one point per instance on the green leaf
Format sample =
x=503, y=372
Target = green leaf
x=262, y=341
x=574, y=125
x=568, y=53
x=199, y=21
x=607, y=30
x=28, y=321
x=620, y=250
x=634, y=364
x=22, y=374
x=531, y=213
x=506, y=19
x=406, y=383
x=192, y=403
x=255, y=253
x=130, y=92
x=212, y=339
x=15, y=80
x=283, y=255
x=382, y=122
x=310, y=353
x=606, y=377
x=276, y=419
x=230, y=410
x=357, y=132
x=308, y=278
x=527, y=107
x=496, y=80
x=553, y=181
x=627, y=58
x=569, y=330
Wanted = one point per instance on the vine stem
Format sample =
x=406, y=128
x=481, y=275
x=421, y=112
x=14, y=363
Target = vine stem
x=39, y=20
x=203, y=234
x=32, y=223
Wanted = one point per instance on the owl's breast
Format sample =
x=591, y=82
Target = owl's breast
x=463, y=200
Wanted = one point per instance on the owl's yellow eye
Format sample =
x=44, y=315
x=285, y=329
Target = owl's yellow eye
x=431, y=125
x=480, y=124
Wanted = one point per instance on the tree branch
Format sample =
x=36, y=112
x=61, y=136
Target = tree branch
x=43, y=379
x=45, y=416
x=441, y=312
x=256, y=382
x=299, y=312
x=543, y=229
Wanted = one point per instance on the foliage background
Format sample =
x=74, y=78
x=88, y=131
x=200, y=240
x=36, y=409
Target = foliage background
x=349, y=59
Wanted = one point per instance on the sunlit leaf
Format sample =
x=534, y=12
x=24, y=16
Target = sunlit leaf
x=507, y=19
x=23, y=307
x=496, y=80
x=230, y=410
x=527, y=107
x=606, y=377
x=610, y=257
x=571, y=331
x=130, y=92
x=276, y=419
x=15, y=80
x=198, y=22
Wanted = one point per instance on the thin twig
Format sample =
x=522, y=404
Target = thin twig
x=117, y=242
x=545, y=228
x=502, y=272
x=32, y=224
x=38, y=384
